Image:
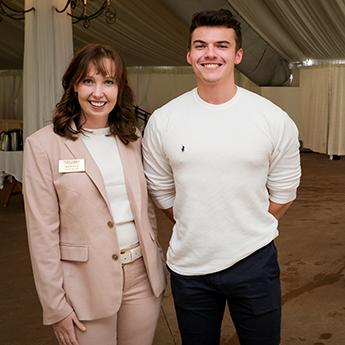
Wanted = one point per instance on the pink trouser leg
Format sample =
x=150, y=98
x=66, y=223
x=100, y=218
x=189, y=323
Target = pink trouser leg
x=136, y=320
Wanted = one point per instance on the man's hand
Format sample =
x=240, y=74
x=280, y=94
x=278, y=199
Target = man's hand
x=278, y=210
x=64, y=330
x=169, y=213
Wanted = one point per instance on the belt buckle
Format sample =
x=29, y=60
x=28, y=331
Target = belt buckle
x=130, y=255
x=126, y=257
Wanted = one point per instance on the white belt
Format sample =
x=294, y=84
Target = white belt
x=130, y=255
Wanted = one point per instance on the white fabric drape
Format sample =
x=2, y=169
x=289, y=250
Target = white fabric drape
x=336, y=140
x=47, y=50
x=322, y=118
x=11, y=93
x=314, y=108
x=155, y=86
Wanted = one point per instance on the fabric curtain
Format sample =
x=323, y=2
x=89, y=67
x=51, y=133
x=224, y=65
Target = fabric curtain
x=48, y=48
x=322, y=117
x=314, y=108
x=11, y=93
x=336, y=141
x=155, y=86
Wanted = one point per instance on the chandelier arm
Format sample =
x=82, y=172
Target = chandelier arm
x=77, y=19
x=83, y=15
x=99, y=12
x=91, y=16
x=65, y=8
x=16, y=11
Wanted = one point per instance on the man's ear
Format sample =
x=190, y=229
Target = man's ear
x=238, y=56
x=188, y=57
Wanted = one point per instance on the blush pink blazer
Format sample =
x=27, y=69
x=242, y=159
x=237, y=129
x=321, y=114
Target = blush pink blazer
x=71, y=232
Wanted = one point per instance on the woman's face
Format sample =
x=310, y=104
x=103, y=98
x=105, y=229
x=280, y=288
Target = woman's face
x=97, y=95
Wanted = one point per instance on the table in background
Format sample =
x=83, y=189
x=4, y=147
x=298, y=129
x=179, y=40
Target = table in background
x=11, y=171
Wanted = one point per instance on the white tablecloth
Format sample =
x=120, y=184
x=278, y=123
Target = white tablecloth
x=11, y=163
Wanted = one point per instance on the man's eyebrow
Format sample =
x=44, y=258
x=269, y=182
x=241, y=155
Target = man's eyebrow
x=222, y=42
x=217, y=42
x=198, y=41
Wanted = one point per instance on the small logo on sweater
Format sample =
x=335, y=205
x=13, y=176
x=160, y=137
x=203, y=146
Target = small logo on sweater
x=182, y=148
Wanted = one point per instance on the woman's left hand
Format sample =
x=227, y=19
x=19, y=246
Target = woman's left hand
x=65, y=332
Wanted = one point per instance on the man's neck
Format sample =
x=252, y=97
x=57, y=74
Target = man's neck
x=216, y=94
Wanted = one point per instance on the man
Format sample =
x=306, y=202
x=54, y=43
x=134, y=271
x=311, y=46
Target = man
x=223, y=163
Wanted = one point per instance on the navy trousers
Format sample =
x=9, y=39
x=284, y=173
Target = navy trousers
x=251, y=288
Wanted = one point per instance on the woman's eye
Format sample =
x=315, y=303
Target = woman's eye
x=87, y=81
x=109, y=82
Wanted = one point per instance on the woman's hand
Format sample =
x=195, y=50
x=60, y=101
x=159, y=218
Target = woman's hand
x=65, y=332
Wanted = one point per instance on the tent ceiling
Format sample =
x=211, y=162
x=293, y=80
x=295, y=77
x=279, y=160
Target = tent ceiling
x=298, y=30
x=145, y=32
x=154, y=33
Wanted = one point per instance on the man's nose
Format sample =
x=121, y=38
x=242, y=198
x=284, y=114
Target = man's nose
x=210, y=52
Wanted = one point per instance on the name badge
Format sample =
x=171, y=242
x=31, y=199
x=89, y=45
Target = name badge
x=71, y=165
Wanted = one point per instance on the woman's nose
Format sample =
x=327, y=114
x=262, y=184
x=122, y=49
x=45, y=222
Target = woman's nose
x=98, y=91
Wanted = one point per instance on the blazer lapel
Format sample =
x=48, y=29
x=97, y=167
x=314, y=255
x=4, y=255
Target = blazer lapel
x=79, y=150
x=131, y=171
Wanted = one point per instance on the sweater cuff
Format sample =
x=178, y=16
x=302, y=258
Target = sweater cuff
x=283, y=197
x=164, y=203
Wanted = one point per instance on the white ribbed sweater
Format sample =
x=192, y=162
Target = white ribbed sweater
x=218, y=166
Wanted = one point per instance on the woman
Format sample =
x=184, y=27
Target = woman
x=97, y=265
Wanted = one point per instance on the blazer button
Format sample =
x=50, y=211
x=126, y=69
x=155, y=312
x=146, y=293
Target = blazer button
x=110, y=224
x=115, y=257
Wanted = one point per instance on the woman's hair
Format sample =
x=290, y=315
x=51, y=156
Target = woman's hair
x=68, y=119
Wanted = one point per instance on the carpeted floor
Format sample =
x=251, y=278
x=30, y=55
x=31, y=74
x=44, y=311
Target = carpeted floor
x=311, y=250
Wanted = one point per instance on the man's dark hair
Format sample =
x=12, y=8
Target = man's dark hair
x=221, y=17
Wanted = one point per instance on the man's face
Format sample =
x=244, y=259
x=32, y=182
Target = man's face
x=213, y=55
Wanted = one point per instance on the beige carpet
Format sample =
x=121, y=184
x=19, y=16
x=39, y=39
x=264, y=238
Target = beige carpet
x=312, y=256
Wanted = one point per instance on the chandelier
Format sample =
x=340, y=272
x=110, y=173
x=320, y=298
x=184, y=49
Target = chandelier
x=84, y=16
x=10, y=12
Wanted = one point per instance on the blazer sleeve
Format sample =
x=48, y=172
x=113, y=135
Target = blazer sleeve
x=43, y=225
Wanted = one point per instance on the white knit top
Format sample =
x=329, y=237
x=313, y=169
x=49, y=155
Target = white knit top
x=218, y=166
x=105, y=153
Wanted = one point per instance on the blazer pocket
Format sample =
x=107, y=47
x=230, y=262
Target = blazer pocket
x=70, y=252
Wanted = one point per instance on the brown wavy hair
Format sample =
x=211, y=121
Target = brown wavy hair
x=68, y=120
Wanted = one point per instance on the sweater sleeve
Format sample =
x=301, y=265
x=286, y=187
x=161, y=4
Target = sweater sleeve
x=157, y=168
x=285, y=170
x=43, y=226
